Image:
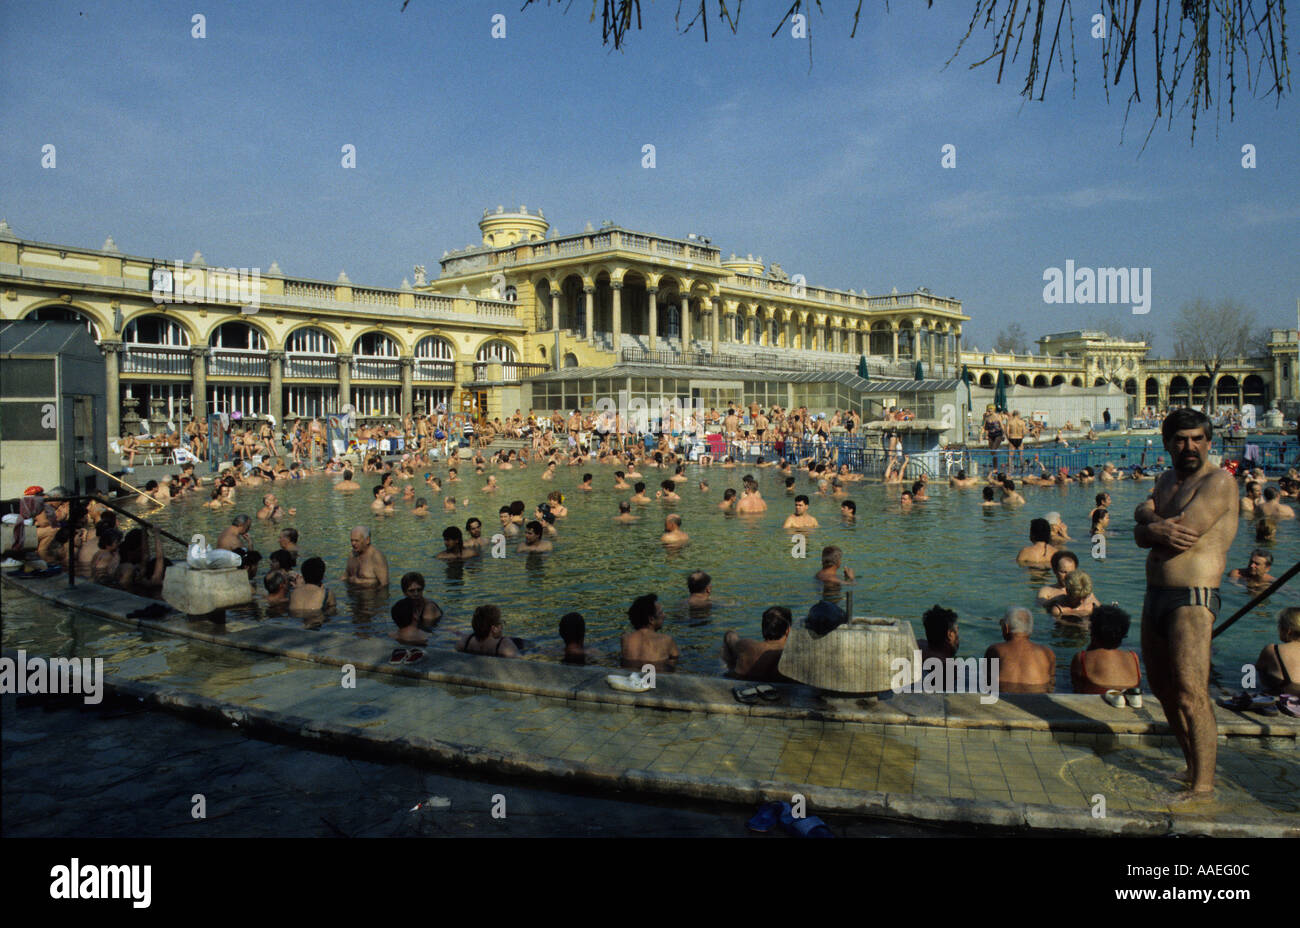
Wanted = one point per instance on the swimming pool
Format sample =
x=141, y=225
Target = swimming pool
x=949, y=550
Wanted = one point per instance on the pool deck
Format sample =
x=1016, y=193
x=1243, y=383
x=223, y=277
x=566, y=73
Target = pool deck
x=1025, y=762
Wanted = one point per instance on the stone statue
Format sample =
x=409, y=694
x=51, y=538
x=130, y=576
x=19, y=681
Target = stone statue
x=776, y=273
x=419, y=275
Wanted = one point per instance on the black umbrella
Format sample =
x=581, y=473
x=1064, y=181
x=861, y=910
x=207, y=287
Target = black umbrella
x=862, y=367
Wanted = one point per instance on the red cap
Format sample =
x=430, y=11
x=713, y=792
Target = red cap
x=33, y=491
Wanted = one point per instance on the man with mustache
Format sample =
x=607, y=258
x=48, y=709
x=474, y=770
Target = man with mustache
x=1188, y=523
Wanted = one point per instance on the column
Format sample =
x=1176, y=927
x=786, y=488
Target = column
x=715, y=309
x=916, y=339
x=835, y=340
x=653, y=293
x=345, y=379
x=684, y=321
x=277, y=387
x=408, y=386
x=557, y=310
x=618, y=319
x=199, y=378
x=112, y=389
x=930, y=350
x=590, y=293
x=945, y=351
x=956, y=343
x=1162, y=393
x=789, y=332
x=893, y=327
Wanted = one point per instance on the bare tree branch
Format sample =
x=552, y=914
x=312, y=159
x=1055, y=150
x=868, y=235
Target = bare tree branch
x=1196, y=46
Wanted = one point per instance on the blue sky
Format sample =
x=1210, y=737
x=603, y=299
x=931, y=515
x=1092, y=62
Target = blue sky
x=231, y=145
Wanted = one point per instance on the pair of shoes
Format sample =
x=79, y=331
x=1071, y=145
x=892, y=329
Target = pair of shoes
x=1114, y=698
x=1133, y=697
x=1289, y=705
x=749, y=695
x=405, y=655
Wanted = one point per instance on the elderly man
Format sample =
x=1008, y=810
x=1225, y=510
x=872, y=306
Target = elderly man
x=1023, y=667
x=367, y=567
x=235, y=536
x=1059, y=533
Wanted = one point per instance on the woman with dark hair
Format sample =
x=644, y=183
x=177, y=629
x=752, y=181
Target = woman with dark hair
x=1103, y=668
x=488, y=637
x=455, y=549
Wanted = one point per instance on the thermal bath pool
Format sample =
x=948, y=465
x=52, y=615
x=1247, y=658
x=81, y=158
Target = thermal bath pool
x=949, y=550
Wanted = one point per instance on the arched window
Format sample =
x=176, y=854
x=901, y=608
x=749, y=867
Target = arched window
x=237, y=336
x=497, y=350
x=310, y=352
x=155, y=330
x=238, y=350
x=64, y=314
x=435, y=359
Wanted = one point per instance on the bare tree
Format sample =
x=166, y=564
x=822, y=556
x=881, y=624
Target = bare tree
x=1012, y=339
x=1213, y=334
x=1196, y=46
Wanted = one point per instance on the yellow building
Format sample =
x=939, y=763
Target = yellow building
x=186, y=339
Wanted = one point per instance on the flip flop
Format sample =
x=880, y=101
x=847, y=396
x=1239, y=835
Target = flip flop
x=399, y=655
x=1289, y=705
x=746, y=695
x=769, y=813
x=808, y=827
x=1264, y=705
x=413, y=655
x=1239, y=703
x=768, y=692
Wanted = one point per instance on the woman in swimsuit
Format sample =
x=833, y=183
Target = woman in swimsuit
x=1104, y=665
x=1279, y=664
x=488, y=637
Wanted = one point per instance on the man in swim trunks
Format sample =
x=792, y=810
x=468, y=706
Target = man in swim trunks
x=993, y=431
x=800, y=521
x=1188, y=523
x=1015, y=437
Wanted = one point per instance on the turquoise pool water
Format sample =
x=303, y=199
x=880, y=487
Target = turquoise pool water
x=949, y=550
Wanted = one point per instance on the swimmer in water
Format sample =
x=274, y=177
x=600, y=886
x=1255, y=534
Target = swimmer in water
x=673, y=535
x=801, y=521
x=625, y=512
x=831, y=571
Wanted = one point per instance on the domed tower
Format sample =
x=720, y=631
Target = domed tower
x=746, y=265
x=503, y=228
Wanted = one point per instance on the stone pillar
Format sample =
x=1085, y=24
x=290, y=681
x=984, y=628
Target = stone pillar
x=276, y=399
x=618, y=319
x=112, y=389
x=715, y=309
x=199, y=380
x=345, y=379
x=930, y=350
x=916, y=339
x=894, y=329
x=590, y=333
x=789, y=333
x=1162, y=393
x=653, y=293
x=557, y=310
x=956, y=342
x=684, y=321
x=835, y=341
x=408, y=385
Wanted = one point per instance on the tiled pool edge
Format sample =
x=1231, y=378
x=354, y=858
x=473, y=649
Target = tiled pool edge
x=684, y=692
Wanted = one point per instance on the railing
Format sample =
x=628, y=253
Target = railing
x=440, y=303
x=235, y=363
x=156, y=360
x=511, y=371
x=374, y=297
x=376, y=369
x=309, y=292
x=836, y=364
x=316, y=367
x=426, y=369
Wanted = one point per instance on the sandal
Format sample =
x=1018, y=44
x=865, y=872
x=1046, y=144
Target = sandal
x=768, y=692
x=1239, y=703
x=413, y=655
x=1289, y=705
x=746, y=695
x=1264, y=705
x=399, y=655
x=769, y=813
x=1114, y=698
x=1133, y=697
